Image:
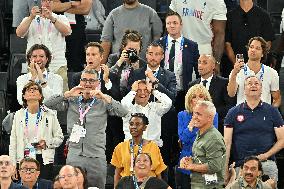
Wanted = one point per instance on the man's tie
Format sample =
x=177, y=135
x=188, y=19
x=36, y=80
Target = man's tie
x=204, y=82
x=172, y=56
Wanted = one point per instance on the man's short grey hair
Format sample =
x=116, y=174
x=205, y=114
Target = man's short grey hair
x=250, y=76
x=90, y=71
x=210, y=108
x=210, y=56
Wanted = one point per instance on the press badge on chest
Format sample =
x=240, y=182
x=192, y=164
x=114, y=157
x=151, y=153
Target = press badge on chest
x=210, y=179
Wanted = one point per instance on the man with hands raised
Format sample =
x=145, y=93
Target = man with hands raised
x=87, y=111
x=45, y=27
x=140, y=93
x=38, y=58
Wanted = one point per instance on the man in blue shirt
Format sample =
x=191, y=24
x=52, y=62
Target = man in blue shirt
x=252, y=127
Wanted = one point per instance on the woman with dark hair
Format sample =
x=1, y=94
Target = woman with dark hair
x=82, y=180
x=141, y=177
x=125, y=152
x=35, y=131
x=126, y=60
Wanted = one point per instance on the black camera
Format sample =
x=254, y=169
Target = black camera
x=132, y=55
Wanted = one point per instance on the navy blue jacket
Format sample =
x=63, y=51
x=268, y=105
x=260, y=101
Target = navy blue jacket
x=190, y=55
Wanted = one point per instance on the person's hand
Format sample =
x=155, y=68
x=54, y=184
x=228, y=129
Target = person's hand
x=75, y=91
x=190, y=125
x=135, y=86
x=135, y=65
x=41, y=145
x=34, y=11
x=99, y=95
x=123, y=58
x=186, y=163
x=232, y=174
x=33, y=70
x=271, y=182
x=150, y=75
x=106, y=72
x=39, y=72
x=46, y=13
x=262, y=157
x=237, y=67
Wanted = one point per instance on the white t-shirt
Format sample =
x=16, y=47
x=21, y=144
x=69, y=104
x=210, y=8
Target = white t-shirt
x=197, y=16
x=42, y=31
x=270, y=83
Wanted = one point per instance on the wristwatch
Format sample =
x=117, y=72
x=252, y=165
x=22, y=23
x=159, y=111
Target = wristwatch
x=155, y=84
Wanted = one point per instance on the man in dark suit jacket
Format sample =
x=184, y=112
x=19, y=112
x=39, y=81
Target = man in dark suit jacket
x=181, y=56
x=165, y=82
x=109, y=81
x=216, y=85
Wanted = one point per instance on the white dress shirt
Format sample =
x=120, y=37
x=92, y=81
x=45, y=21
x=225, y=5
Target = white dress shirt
x=153, y=110
x=208, y=81
x=178, y=60
x=54, y=85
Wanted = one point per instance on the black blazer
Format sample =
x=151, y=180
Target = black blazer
x=167, y=81
x=190, y=55
x=219, y=95
x=114, y=92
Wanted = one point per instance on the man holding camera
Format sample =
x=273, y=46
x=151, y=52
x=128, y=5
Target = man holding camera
x=127, y=59
x=45, y=27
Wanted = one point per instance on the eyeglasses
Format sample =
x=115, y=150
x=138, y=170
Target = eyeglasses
x=32, y=89
x=25, y=170
x=6, y=163
x=91, y=81
x=64, y=176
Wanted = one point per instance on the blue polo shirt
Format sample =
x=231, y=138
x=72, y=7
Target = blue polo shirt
x=253, y=130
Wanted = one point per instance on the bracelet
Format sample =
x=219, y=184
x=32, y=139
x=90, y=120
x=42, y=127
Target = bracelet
x=54, y=21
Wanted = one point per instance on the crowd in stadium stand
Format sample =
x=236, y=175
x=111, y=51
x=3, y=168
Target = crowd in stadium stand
x=159, y=106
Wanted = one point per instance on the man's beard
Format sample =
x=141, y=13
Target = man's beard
x=129, y=2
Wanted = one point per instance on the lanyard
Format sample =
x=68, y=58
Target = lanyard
x=132, y=153
x=261, y=73
x=27, y=121
x=40, y=29
x=83, y=114
x=167, y=54
x=135, y=182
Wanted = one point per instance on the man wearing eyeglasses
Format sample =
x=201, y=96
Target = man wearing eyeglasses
x=245, y=21
x=29, y=170
x=67, y=177
x=87, y=111
x=6, y=171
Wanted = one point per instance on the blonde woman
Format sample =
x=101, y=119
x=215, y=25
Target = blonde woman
x=186, y=130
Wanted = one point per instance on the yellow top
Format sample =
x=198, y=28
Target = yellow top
x=121, y=157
